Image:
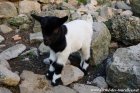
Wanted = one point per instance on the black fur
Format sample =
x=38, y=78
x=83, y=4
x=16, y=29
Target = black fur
x=50, y=75
x=58, y=68
x=60, y=43
x=53, y=31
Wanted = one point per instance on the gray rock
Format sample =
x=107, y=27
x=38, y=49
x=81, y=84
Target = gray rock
x=1, y=38
x=4, y=90
x=7, y=9
x=135, y=4
x=75, y=16
x=36, y=37
x=127, y=13
x=61, y=89
x=81, y=88
x=12, y=52
x=106, y=12
x=32, y=52
x=5, y=28
x=43, y=48
x=100, y=42
x=5, y=64
x=124, y=71
x=7, y=77
x=26, y=6
x=34, y=83
x=100, y=82
x=125, y=29
x=122, y=5
x=71, y=74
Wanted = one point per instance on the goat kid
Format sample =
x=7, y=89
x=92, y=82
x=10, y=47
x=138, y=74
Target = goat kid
x=64, y=39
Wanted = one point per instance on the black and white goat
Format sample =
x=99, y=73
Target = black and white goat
x=64, y=39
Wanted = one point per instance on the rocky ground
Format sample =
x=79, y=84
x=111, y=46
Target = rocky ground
x=115, y=48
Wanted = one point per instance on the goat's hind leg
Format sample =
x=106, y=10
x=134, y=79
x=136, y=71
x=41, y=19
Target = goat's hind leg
x=85, y=58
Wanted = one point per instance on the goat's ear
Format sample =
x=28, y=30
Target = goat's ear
x=38, y=18
x=63, y=20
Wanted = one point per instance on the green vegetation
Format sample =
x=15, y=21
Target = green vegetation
x=82, y=1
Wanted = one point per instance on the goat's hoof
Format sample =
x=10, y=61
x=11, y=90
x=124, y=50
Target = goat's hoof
x=49, y=75
x=57, y=82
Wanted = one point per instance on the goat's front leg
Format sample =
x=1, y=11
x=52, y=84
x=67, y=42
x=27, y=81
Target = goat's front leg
x=52, y=58
x=58, y=66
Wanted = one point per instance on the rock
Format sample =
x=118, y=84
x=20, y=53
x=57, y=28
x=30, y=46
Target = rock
x=135, y=4
x=44, y=1
x=94, y=2
x=24, y=27
x=122, y=5
x=31, y=52
x=61, y=89
x=12, y=52
x=71, y=74
x=75, y=15
x=127, y=13
x=55, y=1
x=4, y=90
x=124, y=71
x=127, y=1
x=51, y=1
x=5, y=29
x=37, y=27
x=16, y=37
x=5, y=63
x=106, y=12
x=67, y=6
x=73, y=2
x=1, y=38
x=7, y=77
x=7, y=9
x=19, y=20
x=113, y=45
x=34, y=83
x=81, y=88
x=43, y=48
x=36, y=37
x=125, y=29
x=100, y=82
x=28, y=6
x=101, y=37
x=57, y=13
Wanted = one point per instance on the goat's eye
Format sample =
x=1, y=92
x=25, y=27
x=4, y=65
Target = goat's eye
x=55, y=31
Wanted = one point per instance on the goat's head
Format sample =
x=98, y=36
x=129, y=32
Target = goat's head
x=50, y=27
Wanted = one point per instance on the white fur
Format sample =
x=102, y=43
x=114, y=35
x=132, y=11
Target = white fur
x=51, y=57
x=55, y=77
x=78, y=37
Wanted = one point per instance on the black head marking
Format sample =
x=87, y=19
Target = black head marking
x=53, y=31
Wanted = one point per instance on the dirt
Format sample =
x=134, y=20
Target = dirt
x=35, y=64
